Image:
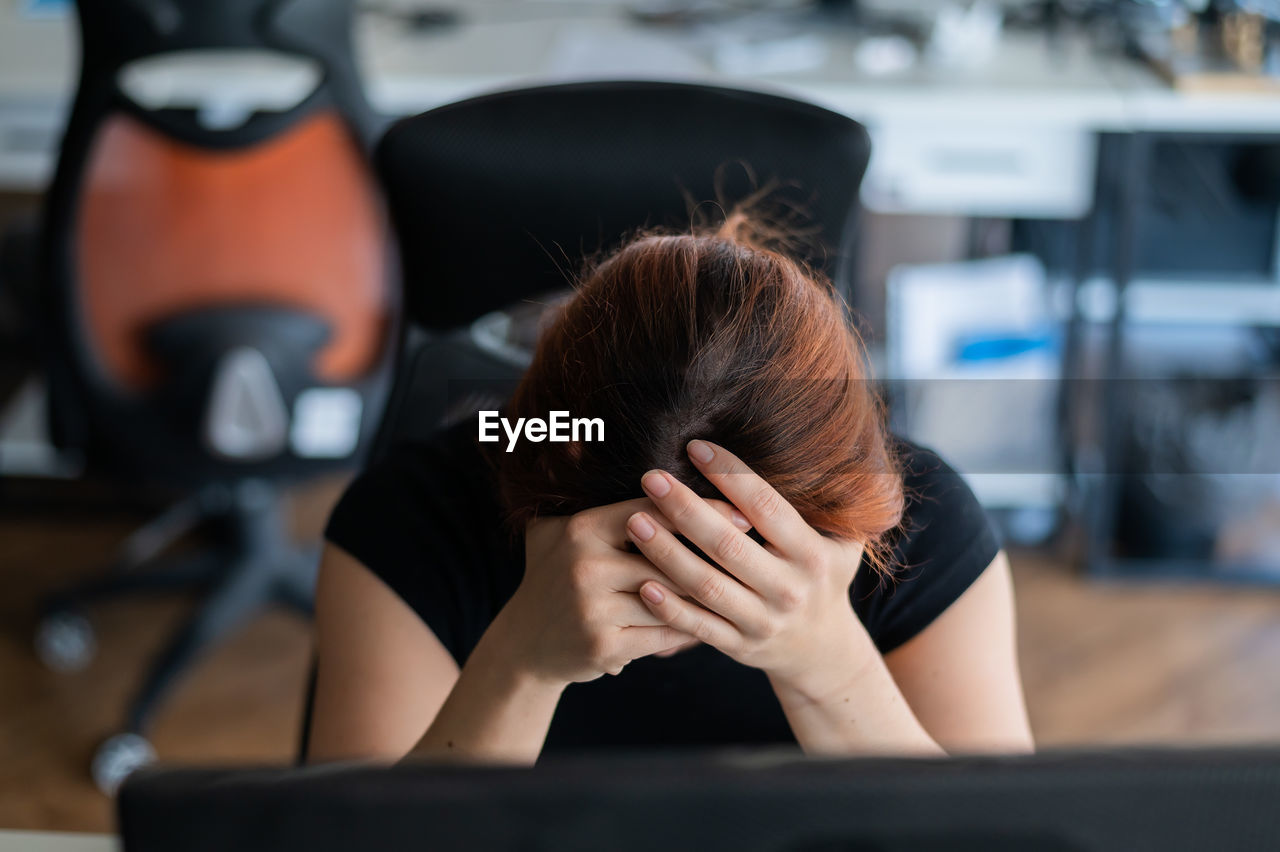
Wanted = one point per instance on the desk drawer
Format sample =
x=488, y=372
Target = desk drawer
x=1010, y=171
x=29, y=138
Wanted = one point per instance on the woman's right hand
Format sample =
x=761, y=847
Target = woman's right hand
x=577, y=613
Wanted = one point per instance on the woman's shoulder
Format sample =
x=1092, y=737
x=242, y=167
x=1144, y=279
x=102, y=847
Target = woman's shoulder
x=413, y=478
x=935, y=491
x=425, y=518
x=943, y=544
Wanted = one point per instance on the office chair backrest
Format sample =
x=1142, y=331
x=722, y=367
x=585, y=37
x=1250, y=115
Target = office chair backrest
x=497, y=197
x=221, y=296
x=116, y=33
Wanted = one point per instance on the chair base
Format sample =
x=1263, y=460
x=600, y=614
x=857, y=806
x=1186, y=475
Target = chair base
x=253, y=566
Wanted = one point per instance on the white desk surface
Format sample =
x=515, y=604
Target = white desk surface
x=499, y=45
x=407, y=72
x=56, y=841
x=410, y=71
x=494, y=46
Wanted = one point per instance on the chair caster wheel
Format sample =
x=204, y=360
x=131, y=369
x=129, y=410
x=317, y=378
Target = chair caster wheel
x=117, y=758
x=64, y=641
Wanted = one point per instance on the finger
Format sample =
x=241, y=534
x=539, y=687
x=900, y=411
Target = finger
x=714, y=589
x=670, y=651
x=851, y=552
x=609, y=522
x=767, y=510
x=728, y=546
x=633, y=570
x=643, y=641
x=690, y=619
x=627, y=611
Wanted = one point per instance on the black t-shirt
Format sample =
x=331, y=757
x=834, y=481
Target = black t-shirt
x=427, y=521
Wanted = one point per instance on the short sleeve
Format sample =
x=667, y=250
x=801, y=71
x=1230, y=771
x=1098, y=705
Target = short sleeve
x=945, y=543
x=422, y=520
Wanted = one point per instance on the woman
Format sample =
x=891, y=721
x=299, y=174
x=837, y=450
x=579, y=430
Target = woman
x=747, y=555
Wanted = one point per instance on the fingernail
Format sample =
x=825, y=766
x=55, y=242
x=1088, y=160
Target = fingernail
x=740, y=520
x=652, y=593
x=656, y=484
x=640, y=527
x=701, y=451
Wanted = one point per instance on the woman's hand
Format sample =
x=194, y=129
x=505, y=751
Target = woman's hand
x=782, y=607
x=576, y=614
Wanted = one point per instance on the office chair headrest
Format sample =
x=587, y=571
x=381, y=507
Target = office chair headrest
x=115, y=32
x=499, y=197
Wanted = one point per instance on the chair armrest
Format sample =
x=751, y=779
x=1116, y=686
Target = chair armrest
x=440, y=379
x=19, y=305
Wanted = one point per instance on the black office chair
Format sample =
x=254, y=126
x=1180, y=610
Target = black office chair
x=495, y=199
x=221, y=313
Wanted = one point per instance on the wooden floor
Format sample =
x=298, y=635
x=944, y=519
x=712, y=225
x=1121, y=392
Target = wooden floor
x=1101, y=663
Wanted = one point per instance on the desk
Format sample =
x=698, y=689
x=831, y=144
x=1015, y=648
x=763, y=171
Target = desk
x=1014, y=137
x=56, y=841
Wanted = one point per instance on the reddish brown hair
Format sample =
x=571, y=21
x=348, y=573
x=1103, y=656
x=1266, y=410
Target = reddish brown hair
x=709, y=334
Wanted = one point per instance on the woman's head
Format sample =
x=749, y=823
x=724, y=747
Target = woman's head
x=713, y=335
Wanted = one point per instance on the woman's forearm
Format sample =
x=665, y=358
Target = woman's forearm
x=847, y=703
x=496, y=713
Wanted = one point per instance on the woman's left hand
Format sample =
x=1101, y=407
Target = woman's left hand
x=782, y=607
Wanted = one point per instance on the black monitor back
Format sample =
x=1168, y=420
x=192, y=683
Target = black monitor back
x=751, y=801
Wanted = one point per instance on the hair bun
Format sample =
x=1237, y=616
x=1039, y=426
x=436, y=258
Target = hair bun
x=765, y=220
x=738, y=227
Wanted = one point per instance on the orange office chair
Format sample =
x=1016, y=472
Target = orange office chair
x=221, y=313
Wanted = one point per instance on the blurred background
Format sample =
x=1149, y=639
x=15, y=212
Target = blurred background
x=1067, y=270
